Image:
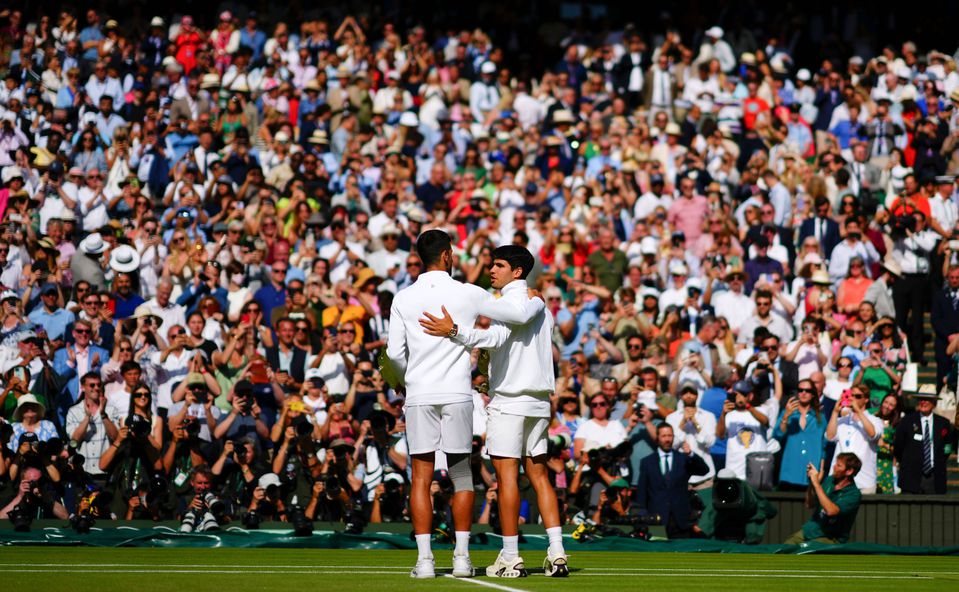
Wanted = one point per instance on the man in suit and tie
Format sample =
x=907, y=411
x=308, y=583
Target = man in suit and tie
x=74, y=361
x=663, y=486
x=923, y=443
x=865, y=177
x=945, y=322
x=822, y=227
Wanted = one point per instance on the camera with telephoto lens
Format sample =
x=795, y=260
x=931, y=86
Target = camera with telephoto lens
x=332, y=486
x=557, y=444
x=353, y=520
x=216, y=506
x=638, y=408
x=239, y=451
x=302, y=526
x=192, y=428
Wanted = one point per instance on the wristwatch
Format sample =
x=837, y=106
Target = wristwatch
x=454, y=331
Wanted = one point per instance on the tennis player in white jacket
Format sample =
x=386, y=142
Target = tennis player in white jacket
x=521, y=382
x=439, y=401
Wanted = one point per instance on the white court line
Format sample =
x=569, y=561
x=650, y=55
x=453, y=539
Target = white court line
x=485, y=584
x=622, y=570
x=202, y=571
x=402, y=571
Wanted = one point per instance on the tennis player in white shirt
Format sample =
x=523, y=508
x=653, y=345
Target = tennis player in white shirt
x=439, y=400
x=521, y=380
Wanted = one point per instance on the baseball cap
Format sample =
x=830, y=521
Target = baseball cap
x=743, y=387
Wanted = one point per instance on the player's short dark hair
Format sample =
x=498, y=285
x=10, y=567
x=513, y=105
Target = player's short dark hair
x=516, y=257
x=431, y=244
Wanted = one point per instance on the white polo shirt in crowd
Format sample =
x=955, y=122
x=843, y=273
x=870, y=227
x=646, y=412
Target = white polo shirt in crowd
x=744, y=435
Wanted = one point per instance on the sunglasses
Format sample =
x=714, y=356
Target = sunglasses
x=858, y=396
x=807, y=390
x=348, y=330
x=598, y=405
x=845, y=365
x=82, y=331
x=142, y=395
x=126, y=349
x=635, y=346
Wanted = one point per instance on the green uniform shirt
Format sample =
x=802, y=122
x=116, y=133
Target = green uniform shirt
x=839, y=526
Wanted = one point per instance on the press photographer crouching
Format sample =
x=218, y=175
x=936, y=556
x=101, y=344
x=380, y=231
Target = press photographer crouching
x=334, y=493
x=35, y=494
x=206, y=511
x=235, y=471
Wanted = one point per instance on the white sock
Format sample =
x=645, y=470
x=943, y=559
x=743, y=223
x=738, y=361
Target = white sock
x=510, y=547
x=555, y=535
x=462, y=543
x=423, y=545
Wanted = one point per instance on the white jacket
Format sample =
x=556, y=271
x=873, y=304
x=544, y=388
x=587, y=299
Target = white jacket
x=436, y=370
x=521, y=357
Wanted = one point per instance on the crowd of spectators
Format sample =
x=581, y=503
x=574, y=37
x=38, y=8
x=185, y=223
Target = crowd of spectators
x=203, y=228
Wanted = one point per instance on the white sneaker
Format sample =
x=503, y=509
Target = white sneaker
x=556, y=566
x=463, y=567
x=425, y=568
x=507, y=568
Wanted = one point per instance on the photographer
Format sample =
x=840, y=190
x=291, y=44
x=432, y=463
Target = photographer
x=34, y=499
x=366, y=390
x=134, y=455
x=380, y=453
x=295, y=459
x=389, y=500
x=613, y=505
x=244, y=417
x=236, y=470
x=195, y=398
x=333, y=491
x=206, y=511
x=34, y=453
x=913, y=245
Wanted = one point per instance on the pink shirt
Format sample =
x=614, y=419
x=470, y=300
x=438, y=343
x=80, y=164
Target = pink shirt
x=687, y=215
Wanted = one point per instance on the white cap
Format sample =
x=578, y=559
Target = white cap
x=677, y=267
x=268, y=479
x=804, y=75
x=904, y=72
x=649, y=245
x=647, y=398
x=409, y=119
x=694, y=284
x=715, y=32
x=488, y=68
x=157, y=22
x=312, y=373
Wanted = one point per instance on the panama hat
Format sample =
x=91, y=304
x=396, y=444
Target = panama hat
x=124, y=259
x=25, y=400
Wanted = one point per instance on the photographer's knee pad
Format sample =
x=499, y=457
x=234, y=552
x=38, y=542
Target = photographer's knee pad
x=460, y=472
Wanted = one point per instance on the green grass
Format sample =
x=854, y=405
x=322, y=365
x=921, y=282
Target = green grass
x=78, y=569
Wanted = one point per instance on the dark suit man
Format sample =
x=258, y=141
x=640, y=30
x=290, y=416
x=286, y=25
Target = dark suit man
x=822, y=227
x=920, y=447
x=945, y=322
x=286, y=359
x=664, y=482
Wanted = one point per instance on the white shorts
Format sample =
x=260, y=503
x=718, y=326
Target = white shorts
x=440, y=427
x=515, y=436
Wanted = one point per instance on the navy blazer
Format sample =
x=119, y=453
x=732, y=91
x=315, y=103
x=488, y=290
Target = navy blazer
x=668, y=495
x=829, y=241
